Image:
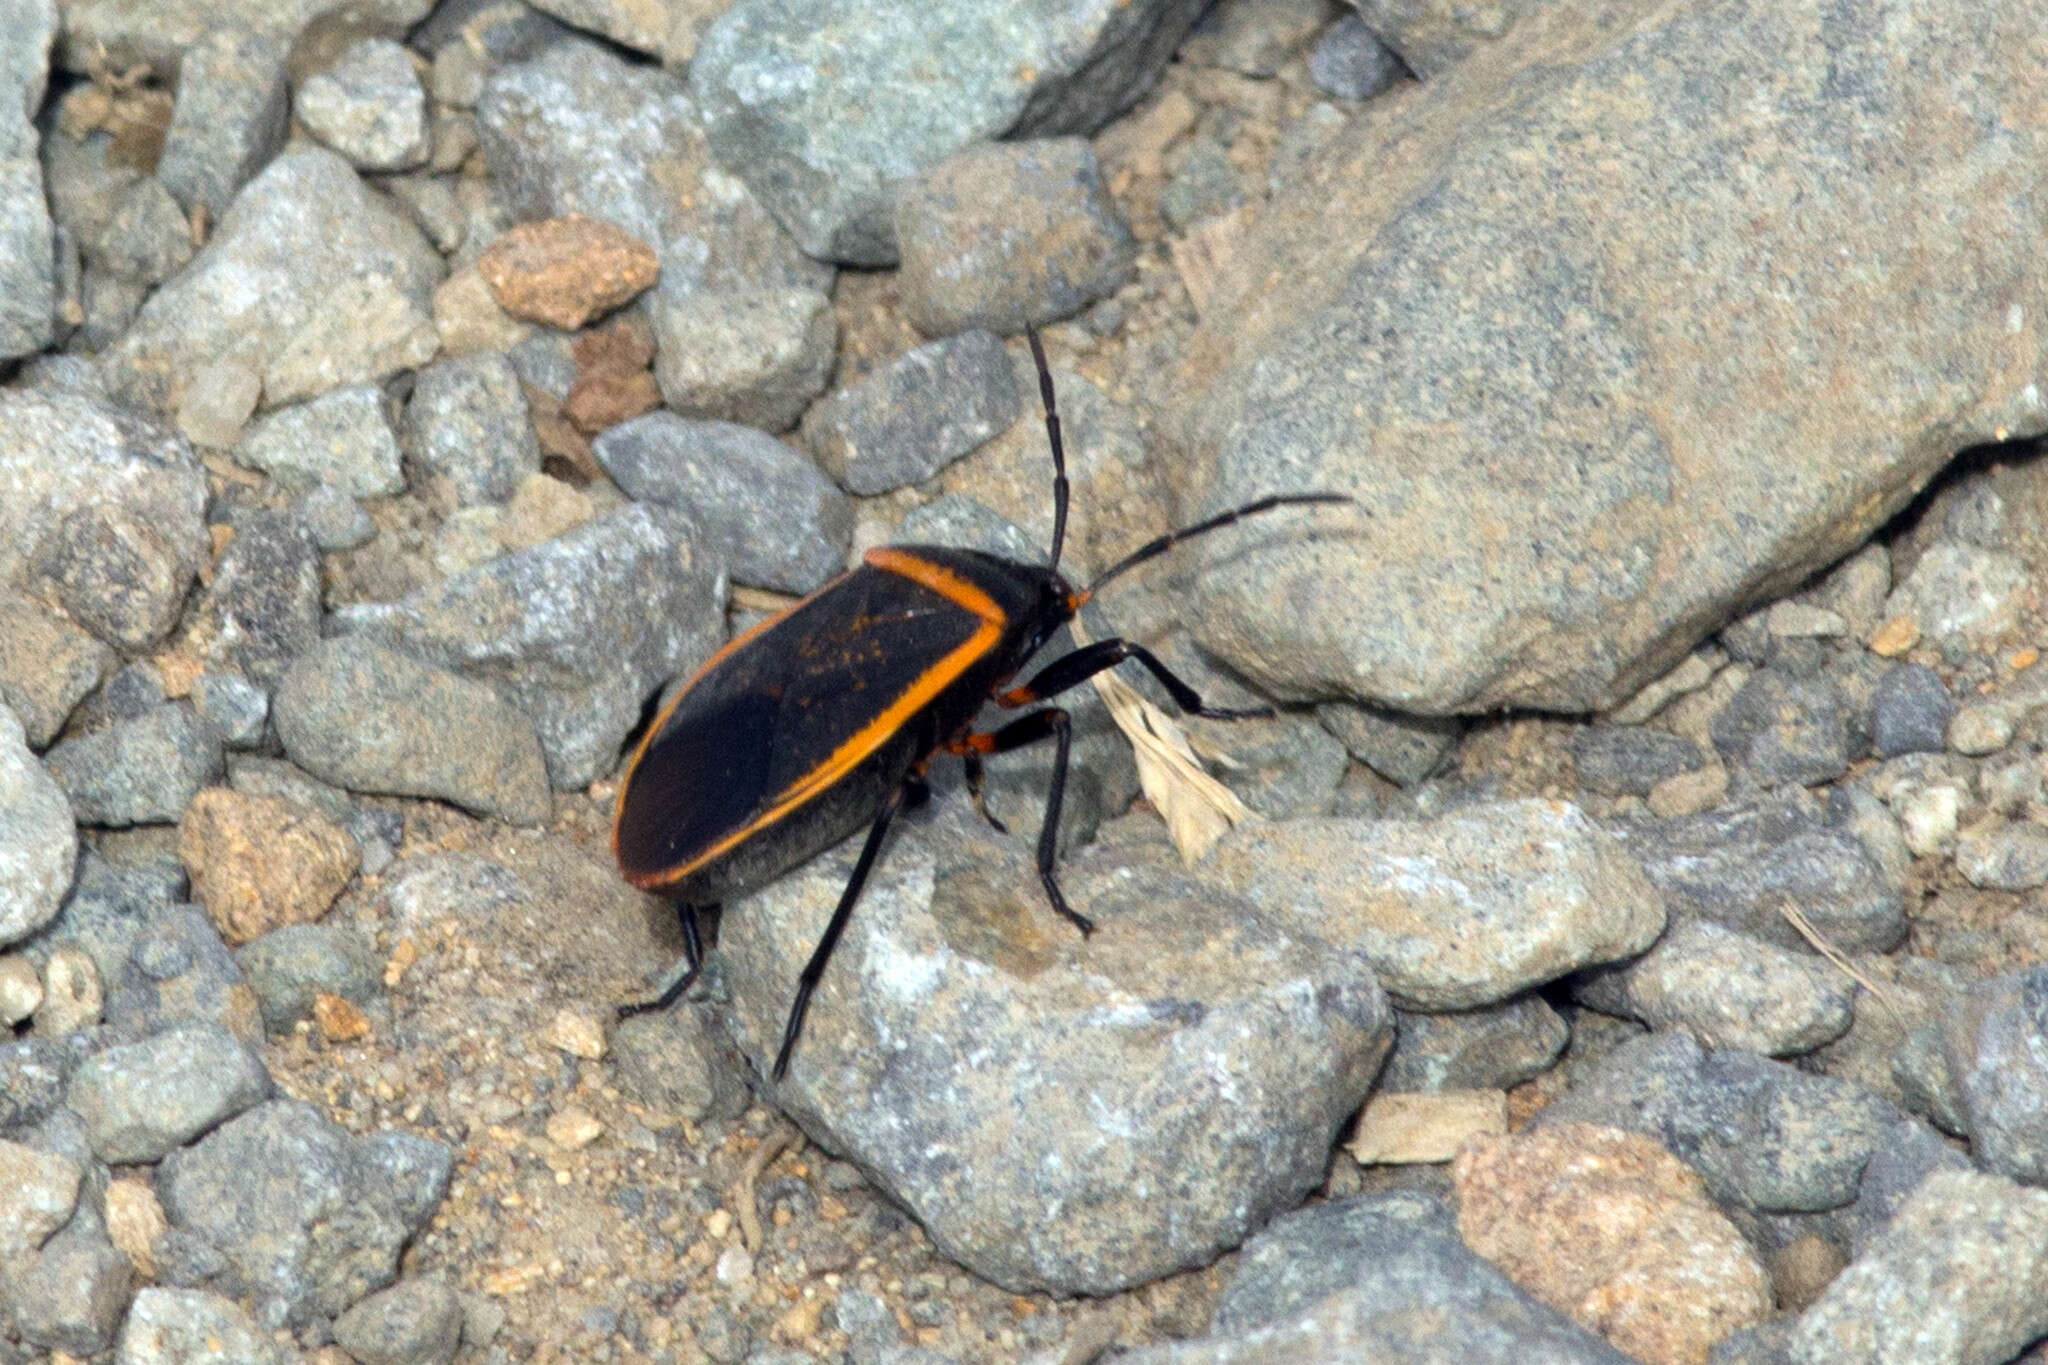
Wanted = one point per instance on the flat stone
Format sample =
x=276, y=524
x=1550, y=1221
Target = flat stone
x=137, y=772
x=1467, y=909
x=915, y=415
x=766, y=509
x=1466, y=594
x=567, y=271
x=1385, y=1278
x=38, y=840
x=369, y=718
x=368, y=105
x=1009, y=234
x=141, y=1100
x=1729, y=991
x=578, y=632
x=826, y=110
x=755, y=356
x=233, y=110
x=342, y=439
x=674, y=1065
x=1615, y=1233
x=1958, y=1275
x=957, y=997
x=308, y=279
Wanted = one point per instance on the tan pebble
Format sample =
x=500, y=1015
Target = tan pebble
x=1689, y=793
x=259, y=862
x=565, y=271
x=572, y=1128
x=576, y=1034
x=513, y=1279
x=1895, y=637
x=339, y=1020
x=1616, y=1233
x=400, y=962
x=134, y=1221
x=2023, y=660
x=1803, y=1268
x=21, y=990
x=72, y=994
x=1401, y=1129
x=801, y=1322
x=469, y=319
x=718, y=1223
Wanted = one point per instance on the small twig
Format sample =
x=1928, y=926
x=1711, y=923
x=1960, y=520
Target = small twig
x=1795, y=917
x=774, y=1145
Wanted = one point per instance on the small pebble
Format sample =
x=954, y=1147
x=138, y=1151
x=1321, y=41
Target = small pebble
x=566, y=271
x=2004, y=855
x=573, y=1128
x=21, y=990
x=579, y=1035
x=417, y=1321
x=339, y=1020
x=72, y=995
x=217, y=403
x=1895, y=637
x=1798, y=620
x=916, y=415
x=1980, y=730
x=134, y=1222
x=1912, y=711
x=1351, y=63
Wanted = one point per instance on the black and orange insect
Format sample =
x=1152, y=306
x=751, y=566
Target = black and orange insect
x=824, y=718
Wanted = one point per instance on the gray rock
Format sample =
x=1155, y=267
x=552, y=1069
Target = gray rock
x=341, y=439
x=47, y=665
x=2004, y=855
x=666, y=29
x=37, y=1197
x=1467, y=909
x=232, y=112
x=762, y=506
x=141, y=1100
x=263, y=608
x=105, y=503
x=121, y=33
x=1912, y=711
x=368, y=105
x=1483, y=1049
x=33, y=1072
x=304, y=1218
x=415, y=1322
x=28, y=274
x=1785, y=728
x=1763, y=1135
x=233, y=707
x=192, y=1327
x=1433, y=36
x=180, y=972
x=1738, y=866
x=275, y=778
x=916, y=415
x=1993, y=1038
x=1618, y=760
x=309, y=280
x=1963, y=594
x=1925, y=1082
x=287, y=967
x=70, y=1295
x=468, y=423
x=956, y=998
x=963, y=522
x=752, y=356
x=1206, y=185
x=826, y=107
x=38, y=839
x=1399, y=747
x=1466, y=593
x=1959, y=1275
x=1910, y=1154
x=109, y=905
x=147, y=240
x=337, y=521
x=1255, y=39
x=1008, y=234
x=1381, y=1279
x=672, y=1064
x=137, y=772
x=578, y=130
x=578, y=632
x=1729, y=991
x=1351, y=63
x=370, y=718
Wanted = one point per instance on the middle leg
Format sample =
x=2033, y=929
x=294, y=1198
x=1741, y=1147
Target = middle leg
x=1084, y=663
x=1030, y=729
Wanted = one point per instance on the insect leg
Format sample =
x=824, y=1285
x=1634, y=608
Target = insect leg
x=815, y=968
x=1088, y=660
x=977, y=774
x=693, y=953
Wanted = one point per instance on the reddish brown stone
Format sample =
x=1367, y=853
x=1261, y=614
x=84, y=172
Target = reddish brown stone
x=599, y=402
x=566, y=271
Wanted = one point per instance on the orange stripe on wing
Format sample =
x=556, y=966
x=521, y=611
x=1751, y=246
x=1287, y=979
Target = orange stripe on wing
x=875, y=733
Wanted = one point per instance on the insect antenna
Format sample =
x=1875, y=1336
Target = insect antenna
x=1059, y=450
x=1152, y=549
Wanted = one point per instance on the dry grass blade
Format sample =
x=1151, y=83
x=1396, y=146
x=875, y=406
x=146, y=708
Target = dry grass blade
x=1795, y=917
x=774, y=1145
x=1198, y=809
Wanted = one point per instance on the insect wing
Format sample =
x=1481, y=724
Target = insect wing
x=773, y=721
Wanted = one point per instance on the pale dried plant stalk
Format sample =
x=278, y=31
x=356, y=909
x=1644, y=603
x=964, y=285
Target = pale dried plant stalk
x=1198, y=809
x=1878, y=992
